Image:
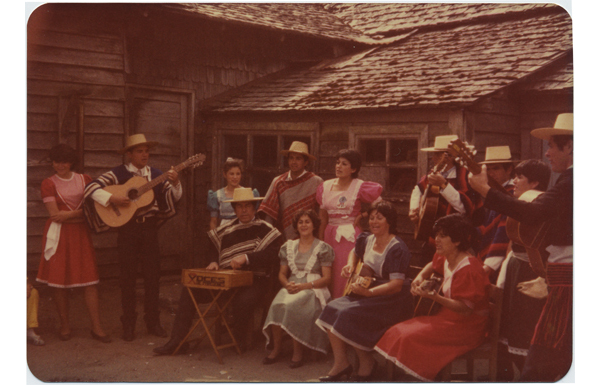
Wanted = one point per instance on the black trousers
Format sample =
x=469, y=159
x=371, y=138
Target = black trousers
x=138, y=246
x=242, y=307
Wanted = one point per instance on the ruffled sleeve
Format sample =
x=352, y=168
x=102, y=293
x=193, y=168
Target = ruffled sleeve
x=369, y=192
x=212, y=203
x=319, y=195
x=283, y=254
x=469, y=284
x=48, y=191
x=438, y=263
x=326, y=255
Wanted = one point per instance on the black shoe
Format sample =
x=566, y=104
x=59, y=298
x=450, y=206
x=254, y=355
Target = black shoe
x=337, y=377
x=367, y=378
x=170, y=347
x=157, y=330
x=296, y=364
x=268, y=361
x=106, y=339
x=128, y=334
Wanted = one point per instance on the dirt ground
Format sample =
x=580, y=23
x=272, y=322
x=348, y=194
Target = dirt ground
x=83, y=359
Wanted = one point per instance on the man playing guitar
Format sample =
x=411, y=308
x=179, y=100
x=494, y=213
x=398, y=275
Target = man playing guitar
x=550, y=353
x=455, y=196
x=137, y=240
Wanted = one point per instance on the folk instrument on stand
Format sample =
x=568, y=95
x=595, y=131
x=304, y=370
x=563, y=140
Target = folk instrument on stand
x=429, y=207
x=531, y=236
x=140, y=193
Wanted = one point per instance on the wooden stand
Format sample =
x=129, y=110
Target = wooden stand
x=216, y=282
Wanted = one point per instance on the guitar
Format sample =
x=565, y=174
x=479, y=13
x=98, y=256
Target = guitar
x=429, y=207
x=363, y=275
x=140, y=193
x=531, y=236
x=427, y=306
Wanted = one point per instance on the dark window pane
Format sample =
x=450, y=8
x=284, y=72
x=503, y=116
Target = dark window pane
x=402, y=180
x=235, y=147
x=403, y=151
x=373, y=150
x=264, y=150
x=261, y=180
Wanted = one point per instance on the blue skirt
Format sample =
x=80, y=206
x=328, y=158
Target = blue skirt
x=361, y=321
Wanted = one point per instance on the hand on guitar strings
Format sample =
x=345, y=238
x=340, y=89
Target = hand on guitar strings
x=347, y=271
x=360, y=290
x=436, y=179
x=173, y=176
x=416, y=283
x=423, y=293
x=119, y=200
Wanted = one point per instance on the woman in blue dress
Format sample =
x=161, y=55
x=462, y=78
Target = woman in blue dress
x=222, y=212
x=362, y=317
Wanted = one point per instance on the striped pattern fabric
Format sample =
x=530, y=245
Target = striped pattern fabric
x=235, y=238
x=163, y=207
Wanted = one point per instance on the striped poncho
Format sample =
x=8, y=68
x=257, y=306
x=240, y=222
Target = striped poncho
x=285, y=197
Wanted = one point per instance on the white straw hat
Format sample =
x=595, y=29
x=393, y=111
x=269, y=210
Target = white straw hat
x=498, y=154
x=136, y=140
x=243, y=194
x=562, y=126
x=441, y=143
x=298, y=148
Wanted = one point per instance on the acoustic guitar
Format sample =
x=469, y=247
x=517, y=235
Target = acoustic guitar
x=427, y=306
x=140, y=193
x=362, y=274
x=429, y=207
x=531, y=236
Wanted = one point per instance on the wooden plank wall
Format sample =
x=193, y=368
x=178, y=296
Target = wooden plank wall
x=66, y=58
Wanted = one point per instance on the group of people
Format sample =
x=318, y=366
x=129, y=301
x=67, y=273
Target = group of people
x=304, y=234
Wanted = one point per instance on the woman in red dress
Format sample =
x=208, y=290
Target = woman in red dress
x=68, y=258
x=422, y=346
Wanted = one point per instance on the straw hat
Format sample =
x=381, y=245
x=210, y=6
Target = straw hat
x=498, y=154
x=136, y=140
x=243, y=194
x=299, y=148
x=441, y=143
x=562, y=126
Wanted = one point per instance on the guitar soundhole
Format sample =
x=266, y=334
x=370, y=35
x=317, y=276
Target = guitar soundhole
x=133, y=194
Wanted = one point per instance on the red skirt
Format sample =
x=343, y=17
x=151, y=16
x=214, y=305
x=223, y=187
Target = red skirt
x=422, y=346
x=74, y=263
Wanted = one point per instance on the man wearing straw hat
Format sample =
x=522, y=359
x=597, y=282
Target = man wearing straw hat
x=550, y=353
x=450, y=179
x=137, y=241
x=494, y=240
x=294, y=190
x=245, y=242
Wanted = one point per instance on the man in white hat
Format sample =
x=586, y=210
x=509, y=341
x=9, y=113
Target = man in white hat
x=292, y=191
x=494, y=240
x=550, y=353
x=245, y=242
x=451, y=182
x=137, y=240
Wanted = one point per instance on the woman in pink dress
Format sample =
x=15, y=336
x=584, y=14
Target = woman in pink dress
x=68, y=258
x=422, y=346
x=340, y=203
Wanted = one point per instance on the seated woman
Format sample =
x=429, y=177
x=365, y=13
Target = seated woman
x=362, y=317
x=304, y=274
x=422, y=346
x=221, y=212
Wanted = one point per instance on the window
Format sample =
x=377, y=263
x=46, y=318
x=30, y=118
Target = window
x=391, y=161
x=261, y=153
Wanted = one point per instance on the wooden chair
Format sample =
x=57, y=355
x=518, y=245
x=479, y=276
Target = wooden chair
x=488, y=350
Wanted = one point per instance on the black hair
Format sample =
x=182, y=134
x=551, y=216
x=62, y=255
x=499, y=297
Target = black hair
x=353, y=157
x=231, y=163
x=459, y=228
x=386, y=209
x=562, y=140
x=535, y=171
x=314, y=217
x=62, y=153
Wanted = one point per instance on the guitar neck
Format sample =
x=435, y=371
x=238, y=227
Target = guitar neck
x=156, y=181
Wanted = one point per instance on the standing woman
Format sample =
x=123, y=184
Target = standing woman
x=362, y=317
x=222, y=212
x=340, y=202
x=68, y=259
x=422, y=346
x=305, y=274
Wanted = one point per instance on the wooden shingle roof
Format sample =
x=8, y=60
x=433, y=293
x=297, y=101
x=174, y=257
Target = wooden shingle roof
x=454, y=66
